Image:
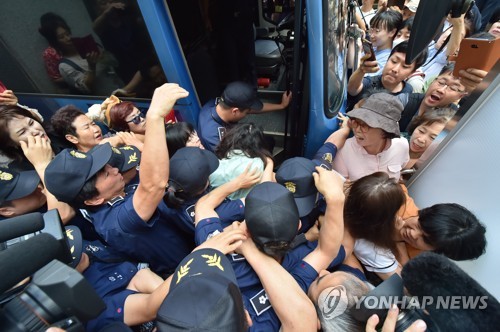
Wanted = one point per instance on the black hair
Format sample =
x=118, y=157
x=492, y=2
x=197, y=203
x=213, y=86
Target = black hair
x=177, y=136
x=246, y=137
x=448, y=68
x=408, y=23
x=9, y=147
x=275, y=249
x=174, y=196
x=453, y=231
x=49, y=22
x=428, y=118
x=403, y=48
x=388, y=20
x=371, y=206
x=62, y=120
x=88, y=191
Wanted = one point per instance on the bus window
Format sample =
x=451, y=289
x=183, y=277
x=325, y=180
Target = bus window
x=335, y=55
x=47, y=40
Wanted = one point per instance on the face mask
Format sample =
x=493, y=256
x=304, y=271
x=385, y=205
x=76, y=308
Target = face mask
x=397, y=41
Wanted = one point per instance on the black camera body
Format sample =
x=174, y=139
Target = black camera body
x=48, y=223
x=379, y=300
x=57, y=295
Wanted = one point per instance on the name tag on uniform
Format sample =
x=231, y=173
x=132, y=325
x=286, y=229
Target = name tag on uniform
x=222, y=132
x=237, y=257
x=260, y=302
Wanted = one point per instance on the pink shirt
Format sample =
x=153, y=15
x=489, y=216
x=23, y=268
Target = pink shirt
x=353, y=162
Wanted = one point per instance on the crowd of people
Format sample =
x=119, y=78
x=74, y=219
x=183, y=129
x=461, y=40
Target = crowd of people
x=183, y=227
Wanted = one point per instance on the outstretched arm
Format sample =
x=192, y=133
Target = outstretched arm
x=268, y=107
x=330, y=184
x=154, y=159
x=141, y=308
x=339, y=136
x=205, y=207
x=294, y=309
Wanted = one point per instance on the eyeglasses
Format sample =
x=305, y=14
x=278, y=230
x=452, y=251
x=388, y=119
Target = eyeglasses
x=355, y=123
x=137, y=119
x=444, y=83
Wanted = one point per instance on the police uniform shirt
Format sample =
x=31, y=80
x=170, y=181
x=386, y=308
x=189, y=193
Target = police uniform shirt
x=158, y=241
x=110, y=281
x=228, y=212
x=254, y=296
x=325, y=155
x=211, y=128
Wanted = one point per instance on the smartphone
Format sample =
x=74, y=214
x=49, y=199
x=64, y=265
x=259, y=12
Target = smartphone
x=85, y=45
x=368, y=49
x=479, y=53
x=2, y=87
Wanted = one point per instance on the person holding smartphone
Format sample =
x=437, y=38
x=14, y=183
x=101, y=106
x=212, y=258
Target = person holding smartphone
x=392, y=79
x=85, y=68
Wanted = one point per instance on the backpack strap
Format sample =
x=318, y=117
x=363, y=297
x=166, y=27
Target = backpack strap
x=72, y=64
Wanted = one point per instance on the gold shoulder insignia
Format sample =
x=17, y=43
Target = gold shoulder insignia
x=69, y=234
x=291, y=187
x=6, y=176
x=213, y=261
x=77, y=154
x=126, y=147
x=115, y=150
x=183, y=271
x=132, y=158
x=328, y=157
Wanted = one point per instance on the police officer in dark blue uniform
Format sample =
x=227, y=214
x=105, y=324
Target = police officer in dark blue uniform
x=237, y=100
x=217, y=116
x=131, y=221
x=272, y=218
x=190, y=168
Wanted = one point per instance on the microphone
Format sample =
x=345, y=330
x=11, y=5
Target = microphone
x=27, y=257
x=454, y=300
x=18, y=226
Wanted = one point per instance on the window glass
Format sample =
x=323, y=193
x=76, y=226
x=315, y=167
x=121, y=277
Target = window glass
x=335, y=55
x=84, y=47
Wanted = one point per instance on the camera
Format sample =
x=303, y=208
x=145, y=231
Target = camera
x=381, y=298
x=32, y=224
x=57, y=295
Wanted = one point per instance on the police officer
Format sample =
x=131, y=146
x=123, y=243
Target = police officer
x=237, y=100
x=190, y=168
x=272, y=219
x=132, y=221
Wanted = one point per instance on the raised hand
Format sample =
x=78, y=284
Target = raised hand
x=328, y=183
x=164, y=99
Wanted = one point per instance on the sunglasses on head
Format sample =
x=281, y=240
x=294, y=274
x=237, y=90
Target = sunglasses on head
x=136, y=119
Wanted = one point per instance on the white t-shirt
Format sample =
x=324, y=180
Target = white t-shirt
x=367, y=15
x=374, y=258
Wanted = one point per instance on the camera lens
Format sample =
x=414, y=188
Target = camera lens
x=30, y=310
x=405, y=319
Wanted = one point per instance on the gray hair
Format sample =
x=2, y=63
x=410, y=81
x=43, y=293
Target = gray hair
x=354, y=288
